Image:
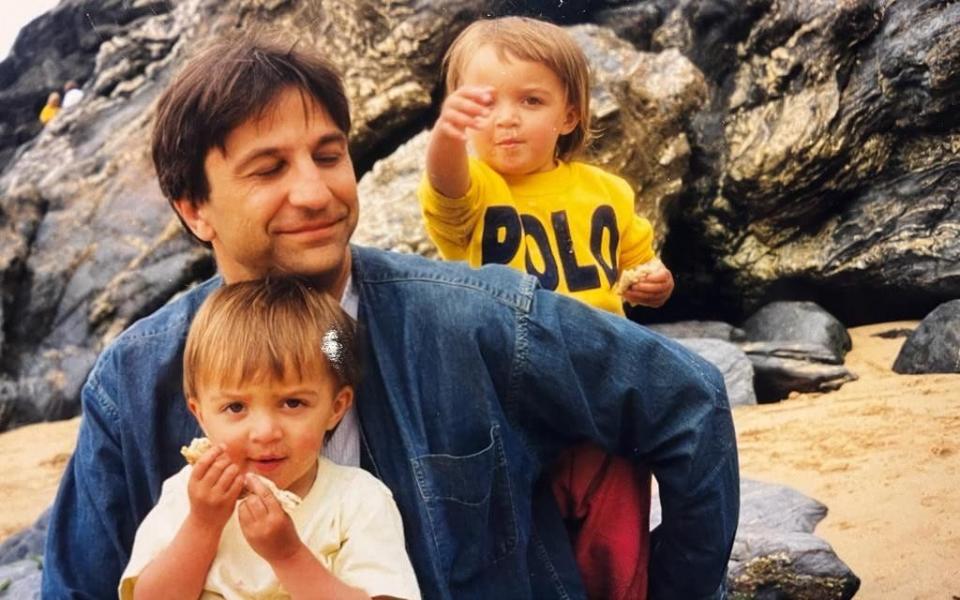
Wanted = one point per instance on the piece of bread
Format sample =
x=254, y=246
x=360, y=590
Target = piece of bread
x=288, y=500
x=195, y=450
x=637, y=273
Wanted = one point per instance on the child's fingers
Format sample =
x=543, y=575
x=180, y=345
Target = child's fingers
x=466, y=106
x=227, y=478
x=206, y=461
x=236, y=486
x=453, y=131
x=244, y=514
x=645, y=297
x=465, y=116
x=266, y=497
x=660, y=276
x=479, y=94
x=254, y=507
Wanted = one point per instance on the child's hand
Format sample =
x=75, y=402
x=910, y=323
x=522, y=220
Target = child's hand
x=653, y=290
x=268, y=529
x=213, y=489
x=466, y=108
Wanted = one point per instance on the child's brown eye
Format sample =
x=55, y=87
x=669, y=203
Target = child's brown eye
x=234, y=407
x=293, y=402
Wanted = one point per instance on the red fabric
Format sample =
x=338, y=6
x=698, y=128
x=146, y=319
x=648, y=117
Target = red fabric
x=605, y=501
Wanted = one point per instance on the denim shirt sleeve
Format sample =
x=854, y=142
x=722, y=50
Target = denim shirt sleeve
x=85, y=554
x=585, y=374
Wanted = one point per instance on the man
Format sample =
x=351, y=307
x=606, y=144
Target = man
x=473, y=380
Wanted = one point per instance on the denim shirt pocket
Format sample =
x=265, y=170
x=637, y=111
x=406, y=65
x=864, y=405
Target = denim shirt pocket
x=470, y=507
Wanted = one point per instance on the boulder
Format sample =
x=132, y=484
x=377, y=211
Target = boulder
x=27, y=543
x=804, y=322
x=796, y=346
x=87, y=242
x=826, y=161
x=775, y=553
x=934, y=346
x=700, y=329
x=21, y=579
x=733, y=364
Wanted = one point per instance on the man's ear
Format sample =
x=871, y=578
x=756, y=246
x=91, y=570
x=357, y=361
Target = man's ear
x=341, y=403
x=194, y=216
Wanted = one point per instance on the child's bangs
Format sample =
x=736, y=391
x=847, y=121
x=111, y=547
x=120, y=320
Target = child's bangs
x=234, y=362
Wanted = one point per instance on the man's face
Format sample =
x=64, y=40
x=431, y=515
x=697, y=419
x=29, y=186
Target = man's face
x=283, y=195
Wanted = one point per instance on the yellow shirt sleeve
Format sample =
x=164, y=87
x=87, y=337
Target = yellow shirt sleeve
x=636, y=247
x=451, y=222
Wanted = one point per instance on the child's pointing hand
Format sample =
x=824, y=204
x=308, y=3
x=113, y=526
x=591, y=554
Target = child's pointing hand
x=466, y=108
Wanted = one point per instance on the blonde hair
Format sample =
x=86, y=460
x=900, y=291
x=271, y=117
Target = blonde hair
x=528, y=39
x=265, y=328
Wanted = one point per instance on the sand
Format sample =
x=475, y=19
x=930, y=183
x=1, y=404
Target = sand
x=883, y=453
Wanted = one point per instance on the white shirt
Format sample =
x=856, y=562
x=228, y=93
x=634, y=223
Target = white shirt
x=343, y=447
x=72, y=97
x=348, y=520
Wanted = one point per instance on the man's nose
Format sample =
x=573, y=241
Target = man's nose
x=309, y=187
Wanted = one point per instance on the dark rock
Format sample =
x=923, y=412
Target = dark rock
x=803, y=322
x=88, y=242
x=775, y=554
x=792, y=565
x=732, y=362
x=796, y=346
x=770, y=506
x=53, y=48
x=805, y=351
x=635, y=23
x=826, y=164
x=27, y=543
x=934, y=346
x=892, y=334
x=700, y=329
x=776, y=377
x=21, y=579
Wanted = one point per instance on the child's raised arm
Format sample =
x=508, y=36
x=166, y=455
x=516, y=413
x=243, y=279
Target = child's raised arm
x=466, y=108
x=181, y=569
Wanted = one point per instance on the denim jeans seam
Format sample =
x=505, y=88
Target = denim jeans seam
x=101, y=398
x=503, y=465
x=418, y=477
x=544, y=557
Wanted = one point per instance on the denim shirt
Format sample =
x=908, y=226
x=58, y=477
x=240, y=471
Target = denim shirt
x=473, y=381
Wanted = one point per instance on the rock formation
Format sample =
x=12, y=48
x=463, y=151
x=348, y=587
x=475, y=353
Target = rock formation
x=801, y=150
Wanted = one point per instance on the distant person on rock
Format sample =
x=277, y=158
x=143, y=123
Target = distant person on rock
x=474, y=381
x=72, y=94
x=518, y=92
x=51, y=108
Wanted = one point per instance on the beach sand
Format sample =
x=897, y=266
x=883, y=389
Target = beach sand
x=883, y=453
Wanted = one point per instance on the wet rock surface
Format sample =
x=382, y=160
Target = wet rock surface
x=934, y=346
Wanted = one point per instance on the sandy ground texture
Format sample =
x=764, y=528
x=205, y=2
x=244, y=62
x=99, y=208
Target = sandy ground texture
x=883, y=453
